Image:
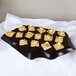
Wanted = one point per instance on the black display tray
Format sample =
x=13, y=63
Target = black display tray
x=35, y=52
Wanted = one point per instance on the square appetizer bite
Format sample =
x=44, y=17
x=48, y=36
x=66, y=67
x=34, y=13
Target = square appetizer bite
x=46, y=46
x=22, y=28
x=51, y=31
x=23, y=42
x=10, y=34
x=34, y=43
x=19, y=35
x=58, y=46
x=31, y=28
x=29, y=34
x=59, y=39
x=41, y=30
x=47, y=37
x=38, y=36
x=61, y=33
